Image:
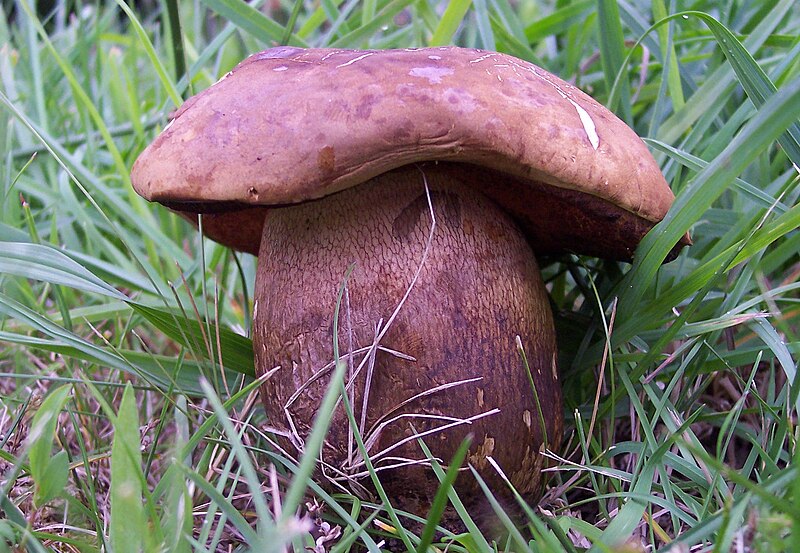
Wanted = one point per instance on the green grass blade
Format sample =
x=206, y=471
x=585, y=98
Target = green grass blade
x=452, y=18
x=46, y=264
x=756, y=195
x=83, y=97
x=440, y=500
x=236, y=350
x=559, y=21
x=266, y=523
x=484, y=24
x=776, y=115
x=43, y=263
x=128, y=526
x=383, y=17
x=141, y=220
x=668, y=51
x=49, y=472
x=612, y=54
x=252, y=22
x=508, y=19
x=287, y=35
x=777, y=344
x=233, y=514
x=754, y=80
x=160, y=371
x=176, y=35
x=705, y=100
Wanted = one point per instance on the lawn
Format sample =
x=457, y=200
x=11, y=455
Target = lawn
x=130, y=418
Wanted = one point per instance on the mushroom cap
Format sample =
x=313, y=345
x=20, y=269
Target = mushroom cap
x=289, y=125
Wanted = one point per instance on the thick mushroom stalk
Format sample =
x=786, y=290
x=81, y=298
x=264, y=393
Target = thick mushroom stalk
x=428, y=328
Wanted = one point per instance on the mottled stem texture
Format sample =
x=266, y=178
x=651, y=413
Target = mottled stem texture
x=443, y=366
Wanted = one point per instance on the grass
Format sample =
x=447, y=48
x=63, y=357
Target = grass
x=129, y=418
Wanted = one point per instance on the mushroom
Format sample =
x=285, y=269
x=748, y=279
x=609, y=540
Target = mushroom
x=435, y=174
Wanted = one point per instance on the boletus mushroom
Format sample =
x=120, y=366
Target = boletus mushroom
x=436, y=174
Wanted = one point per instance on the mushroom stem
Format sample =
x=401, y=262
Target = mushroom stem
x=445, y=364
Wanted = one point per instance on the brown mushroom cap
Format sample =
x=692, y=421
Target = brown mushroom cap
x=289, y=125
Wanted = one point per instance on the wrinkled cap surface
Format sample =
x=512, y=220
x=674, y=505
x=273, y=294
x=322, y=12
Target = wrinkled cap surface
x=290, y=125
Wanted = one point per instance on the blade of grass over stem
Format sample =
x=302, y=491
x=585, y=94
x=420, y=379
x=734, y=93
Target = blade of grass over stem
x=502, y=516
x=440, y=500
x=322, y=420
x=315, y=488
x=385, y=499
x=545, y=540
x=466, y=519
